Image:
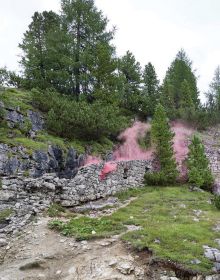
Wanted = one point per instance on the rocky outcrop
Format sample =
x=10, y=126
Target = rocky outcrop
x=15, y=160
x=34, y=163
x=29, y=196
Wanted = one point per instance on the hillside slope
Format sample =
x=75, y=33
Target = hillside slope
x=27, y=147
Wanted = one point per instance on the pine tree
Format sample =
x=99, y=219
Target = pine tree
x=180, y=71
x=213, y=95
x=130, y=80
x=167, y=99
x=150, y=88
x=199, y=172
x=187, y=108
x=162, y=137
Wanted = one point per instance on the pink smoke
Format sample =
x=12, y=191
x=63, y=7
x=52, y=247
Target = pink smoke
x=130, y=149
x=182, y=131
x=92, y=160
x=108, y=168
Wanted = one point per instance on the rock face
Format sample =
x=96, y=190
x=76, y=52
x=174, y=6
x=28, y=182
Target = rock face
x=36, y=119
x=15, y=160
x=28, y=196
x=18, y=159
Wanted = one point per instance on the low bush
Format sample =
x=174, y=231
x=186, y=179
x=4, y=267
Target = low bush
x=159, y=179
x=217, y=201
x=78, y=119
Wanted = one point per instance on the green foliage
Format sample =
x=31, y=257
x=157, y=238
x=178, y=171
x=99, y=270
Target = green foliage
x=181, y=239
x=71, y=119
x=16, y=99
x=129, y=82
x=145, y=141
x=9, y=78
x=129, y=193
x=159, y=178
x=2, y=114
x=26, y=173
x=151, y=89
x=70, y=52
x=162, y=136
x=212, y=107
x=86, y=228
x=55, y=210
x=198, y=165
x=217, y=201
x=179, y=91
x=26, y=127
x=4, y=214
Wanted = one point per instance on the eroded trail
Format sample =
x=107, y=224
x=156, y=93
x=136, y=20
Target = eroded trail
x=39, y=253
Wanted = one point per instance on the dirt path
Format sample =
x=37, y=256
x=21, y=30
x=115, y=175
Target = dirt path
x=39, y=253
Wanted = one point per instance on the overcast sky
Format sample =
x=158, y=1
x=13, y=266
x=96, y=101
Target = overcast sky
x=154, y=30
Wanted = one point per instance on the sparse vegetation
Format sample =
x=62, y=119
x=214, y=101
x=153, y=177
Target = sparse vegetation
x=5, y=214
x=217, y=201
x=166, y=220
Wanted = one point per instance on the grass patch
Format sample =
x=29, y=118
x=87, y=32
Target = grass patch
x=4, y=214
x=15, y=98
x=125, y=195
x=56, y=210
x=86, y=228
x=166, y=214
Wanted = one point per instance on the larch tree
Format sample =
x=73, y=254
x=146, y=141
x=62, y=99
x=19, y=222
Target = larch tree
x=92, y=55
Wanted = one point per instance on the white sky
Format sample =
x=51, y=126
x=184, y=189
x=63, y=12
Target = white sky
x=154, y=30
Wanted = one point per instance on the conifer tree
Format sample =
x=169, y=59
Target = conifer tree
x=71, y=52
x=130, y=80
x=213, y=94
x=92, y=57
x=162, y=137
x=199, y=172
x=40, y=64
x=150, y=88
x=187, y=108
x=180, y=71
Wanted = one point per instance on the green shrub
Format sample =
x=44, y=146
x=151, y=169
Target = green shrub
x=2, y=113
x=71, y=119
x=26, y=127
x=217, y=201
x=159, y=178
x=199, y=172
x=55, y=210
